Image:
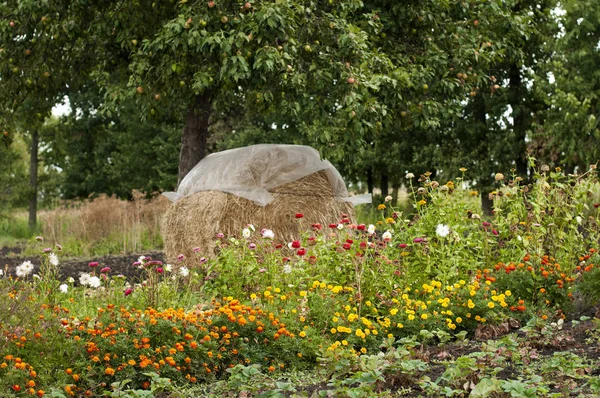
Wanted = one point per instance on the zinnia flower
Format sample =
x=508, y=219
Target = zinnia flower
x=301, y=252
x=268, y=234
x=387, y=236
x=95, y=282
x=84, y=279
x=295, y=244
x=53, y=259
x=442, y=230
x=184, y=271
x=128, y=291
x=299, y=215
x=93, y=264
x=287, y=269
x=252, y=246
x=64, y=288
x=181, y=257
x=246, y=233
x=105, y=270
x=371, y=229
x=24, y=269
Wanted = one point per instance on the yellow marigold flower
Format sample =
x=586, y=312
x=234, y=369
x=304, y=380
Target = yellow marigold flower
x=400, y=326
x=423, y=316
x=303, y=293
x=393, y=311
x=390, y=335
x=335, y=319
x=422, y=202
x=277, y=290
x=411, y=317
x=316, y=284
x=302, y=319
x=302, y=334
x=381, y=207
x=491, y=305
x=322, y=285
x=283, y=298
x=471, y=304
x=344, y=343
x=508, y=293
x=458, y=320
x=363, y=350
x=267, y=293
x=333, y=331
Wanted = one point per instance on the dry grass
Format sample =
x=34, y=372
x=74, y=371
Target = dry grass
x=195, y=220
x=124, y=226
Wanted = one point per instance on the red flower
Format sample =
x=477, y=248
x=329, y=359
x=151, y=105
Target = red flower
x=278, y=246
x=332, y=225
x=128, y=291
x=349, y=241
x=596, y=205
x=301, y=252
x=347, y=246
x=93, y=264
x=363, y=245
x=296, y=244
x=299, y=215
x=402, y=245
x=316, y=227
x=361, y=227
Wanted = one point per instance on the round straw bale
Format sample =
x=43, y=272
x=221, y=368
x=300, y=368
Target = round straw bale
x=195, y=220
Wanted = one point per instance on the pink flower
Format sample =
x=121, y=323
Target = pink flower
x=316, y=227
x=485, y=224
x=47, y=249
x=93, y=264
x=137, y=263
x=402, y=245
x=418, y=240
x=296, y=244
x=105, y=270
x=196, y=250
x=494, y=232
x=39, y=238
x=59, y=247
x=262, y=270
x=301, y=252
x=181, y=257
x=299, y=215
x=252, y=246
x=203, y=260
x=220, y=235
x=128, y=291
x=159, y=270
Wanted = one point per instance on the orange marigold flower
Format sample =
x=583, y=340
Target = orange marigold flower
x=109, y=371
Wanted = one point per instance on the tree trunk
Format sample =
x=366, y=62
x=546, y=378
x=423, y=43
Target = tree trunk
x=395, y=190
x=195, y=134
x=370, y=180
x=487, y=204
x=384, y=185
x=519, y=113
x=33, y=180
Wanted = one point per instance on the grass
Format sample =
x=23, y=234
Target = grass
x=98, y=227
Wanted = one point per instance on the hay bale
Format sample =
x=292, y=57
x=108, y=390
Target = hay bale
x=195, y=220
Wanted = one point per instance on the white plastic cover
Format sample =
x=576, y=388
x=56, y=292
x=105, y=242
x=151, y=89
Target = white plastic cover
x=251, y=172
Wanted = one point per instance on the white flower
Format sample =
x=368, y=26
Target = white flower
x=36, y=276
x=340, y=226
x=268, y=234
x=24, y=269
x=141, y=259
x=184, y=271
x=409, y=176
x=387, y=236
x=168, y=268
x=287, y=269
x=1, y=272
x=442, y=230
x=53, y=259
x=246, y=233
x=64, y=288
x=84, y=279
x=578, y=219
x=371, y=229
x=388, y=198
x=71, y=280
x=95, y=282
